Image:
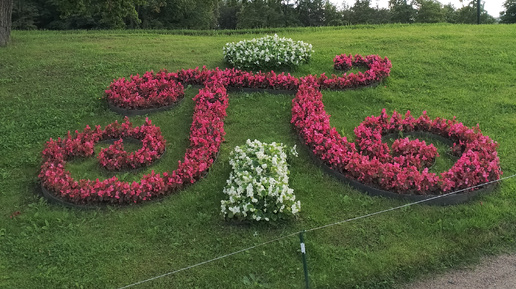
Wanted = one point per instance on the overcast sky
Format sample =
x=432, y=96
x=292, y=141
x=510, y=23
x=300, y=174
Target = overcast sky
x=493, y=7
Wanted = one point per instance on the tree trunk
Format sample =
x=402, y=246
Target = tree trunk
x=6, y=9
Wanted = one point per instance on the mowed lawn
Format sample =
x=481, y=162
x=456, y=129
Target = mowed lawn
x=53, y=82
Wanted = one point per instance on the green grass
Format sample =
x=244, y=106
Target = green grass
x=52, y=82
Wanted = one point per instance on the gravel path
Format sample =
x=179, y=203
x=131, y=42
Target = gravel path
x=497, y=272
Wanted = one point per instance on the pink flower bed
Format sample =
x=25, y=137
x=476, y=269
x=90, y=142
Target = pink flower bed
x=115, y=158
x=206, y=135
x=149, y=91
x=377, y=69
x=402, y=168
x=414, y=153
x=369, y=161
x=165, y=88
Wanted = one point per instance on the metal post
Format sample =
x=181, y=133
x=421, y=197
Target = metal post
x=303, y=252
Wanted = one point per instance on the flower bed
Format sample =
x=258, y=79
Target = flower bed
x=266, y=53
x=149, y=91
x=115, y=158
x=402, y=169
x=377, y=69
x=206, y=135
x=258, y=184
x=368, y=159
x=137, y=95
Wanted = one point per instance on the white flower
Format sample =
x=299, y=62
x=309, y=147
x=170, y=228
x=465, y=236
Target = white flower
x=249, y=190
x=258, y=183
x=295, y=207
x=270, y=49
x=234, y=209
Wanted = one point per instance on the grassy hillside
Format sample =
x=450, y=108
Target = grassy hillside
x=53, y=82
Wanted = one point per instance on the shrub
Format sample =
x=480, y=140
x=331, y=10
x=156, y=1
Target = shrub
x=258, y=185
x=266, y=53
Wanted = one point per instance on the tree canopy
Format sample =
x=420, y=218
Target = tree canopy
x=233, y=14
x=509, y=15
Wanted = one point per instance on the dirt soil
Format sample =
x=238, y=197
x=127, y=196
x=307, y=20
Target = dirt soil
x=498, y=272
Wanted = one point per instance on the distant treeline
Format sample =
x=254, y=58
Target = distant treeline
x=230, y=14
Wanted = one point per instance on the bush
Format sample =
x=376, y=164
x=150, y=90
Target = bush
x=267, y=53
x=258, y=185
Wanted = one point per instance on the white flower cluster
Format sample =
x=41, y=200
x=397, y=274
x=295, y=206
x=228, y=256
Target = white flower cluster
x=258, y=185
x=266, y=53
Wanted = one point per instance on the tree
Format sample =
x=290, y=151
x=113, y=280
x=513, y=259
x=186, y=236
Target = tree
x=6, y=10
x=228, y=14
x=347, y=14
x=381, y=16
x=468, y=14
x=109, y=14
x=260, y=14
x=332, y=17
x=363, y=13
x=509, y=15
x=450, y=15
x=275, y=16
x=190, y=14
x=429, y=11
x=24, y=15
x=401, y=11
x=310, y=12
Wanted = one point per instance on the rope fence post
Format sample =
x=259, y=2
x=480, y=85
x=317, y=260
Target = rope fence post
x=303, y=253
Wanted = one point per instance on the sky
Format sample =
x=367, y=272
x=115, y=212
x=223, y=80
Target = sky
x=493, y=7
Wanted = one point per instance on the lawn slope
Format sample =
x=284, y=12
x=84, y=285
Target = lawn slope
x=52, y=82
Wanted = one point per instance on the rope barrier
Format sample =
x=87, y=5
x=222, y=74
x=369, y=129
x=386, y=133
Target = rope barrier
x=314, y=229
x=209, y=261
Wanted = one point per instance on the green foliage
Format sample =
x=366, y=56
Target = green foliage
x=194, y=14
x=24, y=14
x=332, y=17
x=311, y=12
x=402, y=11
x=233, y=14
x=362, y=12
x=228, y=14
x=107, y=14
x=509, y=14
x=468, y=14
x=429, y=11
x=53, y=81
x=260, y=14
x=450, y=14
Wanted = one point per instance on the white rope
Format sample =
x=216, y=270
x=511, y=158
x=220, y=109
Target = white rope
x=408, y=205
x=314, y=229
x=209, y=261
